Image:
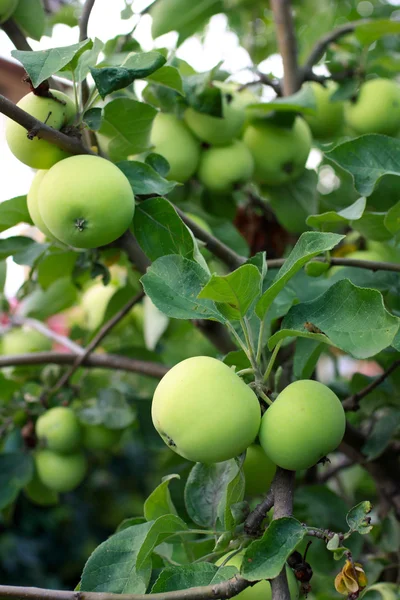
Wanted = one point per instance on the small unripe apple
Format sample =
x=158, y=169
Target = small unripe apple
x=376, y=109
x=222, y=167
x=60, y=472
x=94, y=302
x=204, y=411
x=7, y=8
x=33, y=208
x=329, y=117
x=280, y=154
x=38, y=153
x=262, y=589
x=258, y=470
x=304, y=424
x=59, y=429
x=39, y=494
x=175, y=142
x=99, y=437
x=86, y=201
x=23, y=341
x=216, y=130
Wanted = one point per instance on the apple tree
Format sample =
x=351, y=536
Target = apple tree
x=199, y=373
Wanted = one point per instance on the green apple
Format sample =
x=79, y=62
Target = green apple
x=258, y=470
x=262, y=589
x=7, y=8
x=204, y=411
x=175, y=142
x=94, y=303
x=329, y=118
x=99, y=437
x=55, y=112
x=304, y=424
x=39, y=494
x=60, y=472
x=280, y=154
x=32, y=201
x=218, y=131
x=59, y=429
x=23, y=341
x=86, y=201
x=222, y=167
x=376, y=109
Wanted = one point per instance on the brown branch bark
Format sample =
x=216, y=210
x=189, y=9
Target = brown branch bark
x=226, y=589
x=277, y=263
x=107, y=327
x=102, y=361
x=256, y=517
x=287, y=45
x=352, y=403
x=83, y=35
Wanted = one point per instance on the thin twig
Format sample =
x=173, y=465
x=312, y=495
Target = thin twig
x=226, y=589
x=277, y=263
x=107, y=327
x=264, y=80
x=352, y=403
x=256, y=517
x=327, y=474
x=287, y=44
x=15, y=35
x=47, y=332
x=84, y=20
x=102, y=361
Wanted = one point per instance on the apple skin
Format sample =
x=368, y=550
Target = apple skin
x=60, y=472
x=377, y=108
x=304, y=424
x=94, y=302
x=216, y=130
x=86, y=201
x=175, y=142
x=99, y=437
x=7, y=8
x=32, y=201
x=329, y=118
x=258, y=470
x=59, y=429
x=221, y=167
x=24, y=341
x=204, y=411
x=280, y=154
x=38, y=153
x=39, y=494
x=262, y=589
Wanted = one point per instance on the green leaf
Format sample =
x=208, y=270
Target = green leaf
x=122, y=564
x=42, y=304
x=30, y=17
x=181, y=16
x=208, y=492
x=306, y=356
x=342, y=217
x=367, y=33
x=173, y=284
x=392, y=219
x=294, y=202
x=88, y=59
x=168, y=77
x=144, y=179
x=160, y=231
x=357, y=518
x=235, y=292
x=93, y=118
x=24, y=250
x=136, y=66
x=309, y=245
x=56, y=265
x=182, y=577
x=159, y=502
x=109, y=408
x=43, y=64
x=127, y=125
x=14, y=211
x=351, y=318
x=367, y=159
x=302, y=101
x=381, y=434
x=3, y=274
x=16, y=471
x=265, y=558
x=372, y=226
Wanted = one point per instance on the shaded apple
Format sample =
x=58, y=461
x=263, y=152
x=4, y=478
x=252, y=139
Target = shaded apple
x=223, y=167
x=59, y=429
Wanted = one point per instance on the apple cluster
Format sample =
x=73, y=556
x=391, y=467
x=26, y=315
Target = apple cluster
x=60, y=461
x=206, y=413
x=82, y=201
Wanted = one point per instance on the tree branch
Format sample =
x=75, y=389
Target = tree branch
x=264, y=80
x=70, y=144
x=84, y=20
x=277, y=263
x=287, y=45
x=256, y=517
x=226, y=589
x=107, y=327
x=47, y=332
x=352, y=403
x=102, y=361
x=15, y=35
